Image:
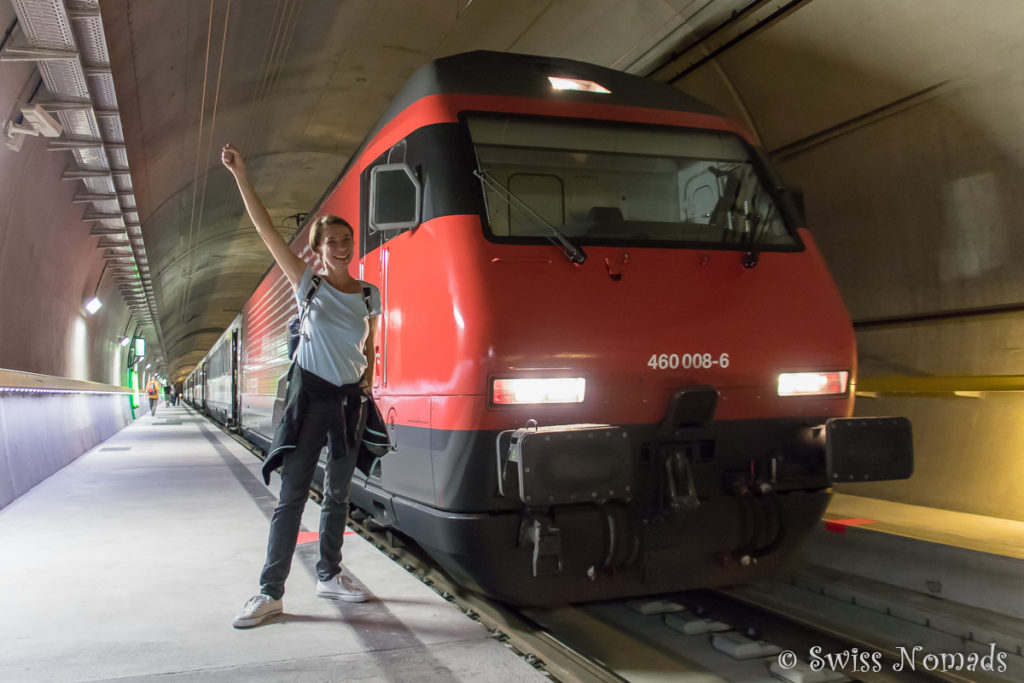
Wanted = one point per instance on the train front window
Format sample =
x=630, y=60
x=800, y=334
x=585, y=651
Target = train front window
x=601, y=183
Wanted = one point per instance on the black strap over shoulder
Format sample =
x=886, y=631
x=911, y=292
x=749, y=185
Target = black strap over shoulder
x=367, y=292
x=295, y=324
x=314, y=285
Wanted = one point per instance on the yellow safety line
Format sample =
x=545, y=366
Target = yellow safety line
x=940, y=385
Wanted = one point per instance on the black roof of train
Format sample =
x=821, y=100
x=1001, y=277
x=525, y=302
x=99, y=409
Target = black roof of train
x=503, y=73
x=484, y=72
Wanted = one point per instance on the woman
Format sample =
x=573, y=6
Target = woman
x=327, y=385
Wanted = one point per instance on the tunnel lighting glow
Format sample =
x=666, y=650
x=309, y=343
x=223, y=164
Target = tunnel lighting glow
x=125, y=341
x=34, y=390
x=93, y=305
x=576, y=84
x=539, y=390
x=813, y=383
x=149, y=365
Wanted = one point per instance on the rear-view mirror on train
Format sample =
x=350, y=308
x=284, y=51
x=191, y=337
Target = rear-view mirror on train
x=395, y=198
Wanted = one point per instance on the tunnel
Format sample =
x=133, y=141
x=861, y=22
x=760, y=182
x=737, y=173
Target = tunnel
x=127, y=255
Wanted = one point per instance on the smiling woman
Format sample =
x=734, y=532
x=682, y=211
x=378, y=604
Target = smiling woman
x=329, y=378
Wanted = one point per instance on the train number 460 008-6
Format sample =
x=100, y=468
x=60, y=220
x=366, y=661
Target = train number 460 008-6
x=674, y=361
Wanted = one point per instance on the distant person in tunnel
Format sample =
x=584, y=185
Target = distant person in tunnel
x=327, y=383
x=153, y=391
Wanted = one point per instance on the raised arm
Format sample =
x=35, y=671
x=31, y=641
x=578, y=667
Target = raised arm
x=290, y=263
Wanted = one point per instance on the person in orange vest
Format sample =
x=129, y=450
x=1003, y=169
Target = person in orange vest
x=153, y=390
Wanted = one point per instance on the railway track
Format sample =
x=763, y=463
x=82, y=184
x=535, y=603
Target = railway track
x=694, y=636
x=764, y=632
x=774, y=630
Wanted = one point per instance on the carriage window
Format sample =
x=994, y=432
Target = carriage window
x=625, y=184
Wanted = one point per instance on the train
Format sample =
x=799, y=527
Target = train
x=611, y=359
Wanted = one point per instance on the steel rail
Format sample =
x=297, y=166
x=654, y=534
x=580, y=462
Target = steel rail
x=595, y=642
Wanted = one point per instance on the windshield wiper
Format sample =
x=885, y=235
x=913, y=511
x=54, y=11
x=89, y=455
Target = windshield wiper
x=572, y=252
x=754, y=226
x=762, y=224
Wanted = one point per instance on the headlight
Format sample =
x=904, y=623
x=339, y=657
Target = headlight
x=813, y=383
x=538, y=390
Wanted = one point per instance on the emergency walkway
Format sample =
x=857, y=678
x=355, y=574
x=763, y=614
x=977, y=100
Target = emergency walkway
x=130, y=563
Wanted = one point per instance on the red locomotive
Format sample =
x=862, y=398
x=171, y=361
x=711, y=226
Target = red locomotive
x=612, y=360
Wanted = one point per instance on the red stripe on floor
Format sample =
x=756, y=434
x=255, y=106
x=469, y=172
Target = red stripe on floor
x=313, y=536
x=838, y=526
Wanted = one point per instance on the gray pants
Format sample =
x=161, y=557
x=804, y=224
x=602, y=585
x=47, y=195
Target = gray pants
x=296, y=477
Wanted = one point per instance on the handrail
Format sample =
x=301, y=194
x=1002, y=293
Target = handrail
x=17, y=381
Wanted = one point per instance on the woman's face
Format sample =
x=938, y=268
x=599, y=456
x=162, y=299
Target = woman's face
x=336, y=247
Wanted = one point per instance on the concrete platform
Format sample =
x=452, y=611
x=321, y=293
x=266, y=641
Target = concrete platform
x=130, y=563
x=967, y=559
x=991, y=535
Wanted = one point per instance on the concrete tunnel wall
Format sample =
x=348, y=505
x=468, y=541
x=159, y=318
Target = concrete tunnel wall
x=902, y=123
x=49, y=267
x=49, y=263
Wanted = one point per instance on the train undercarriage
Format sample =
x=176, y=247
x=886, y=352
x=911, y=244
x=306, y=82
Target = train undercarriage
x=591, y=512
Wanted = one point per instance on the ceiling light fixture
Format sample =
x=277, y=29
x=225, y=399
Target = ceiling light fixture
x=559, y=83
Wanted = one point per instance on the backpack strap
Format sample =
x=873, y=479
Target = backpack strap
x=367, y=292
x=314, y=286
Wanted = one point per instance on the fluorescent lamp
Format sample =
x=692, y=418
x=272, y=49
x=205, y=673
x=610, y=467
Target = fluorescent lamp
x=125, y=341
x=93, y=305
x=559, y=83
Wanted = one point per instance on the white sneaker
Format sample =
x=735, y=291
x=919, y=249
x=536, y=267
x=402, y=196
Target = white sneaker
x=256, y=610
x=341, y=586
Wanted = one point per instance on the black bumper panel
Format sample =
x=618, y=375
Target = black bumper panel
x=869, y=449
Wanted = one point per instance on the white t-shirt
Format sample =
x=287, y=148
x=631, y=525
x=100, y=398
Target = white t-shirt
x=334, y=331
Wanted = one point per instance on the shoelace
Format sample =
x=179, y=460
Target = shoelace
x=346, y=582
x=255, y=602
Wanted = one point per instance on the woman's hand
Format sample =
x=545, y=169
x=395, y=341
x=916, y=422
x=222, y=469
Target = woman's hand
x=290, y=263
x=232, y=160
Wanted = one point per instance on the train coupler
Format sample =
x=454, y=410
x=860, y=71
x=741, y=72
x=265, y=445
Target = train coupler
x=546, y=540
x=681, y=493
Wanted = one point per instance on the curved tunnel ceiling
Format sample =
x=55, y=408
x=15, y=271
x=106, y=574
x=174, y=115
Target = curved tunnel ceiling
x=296, y=85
